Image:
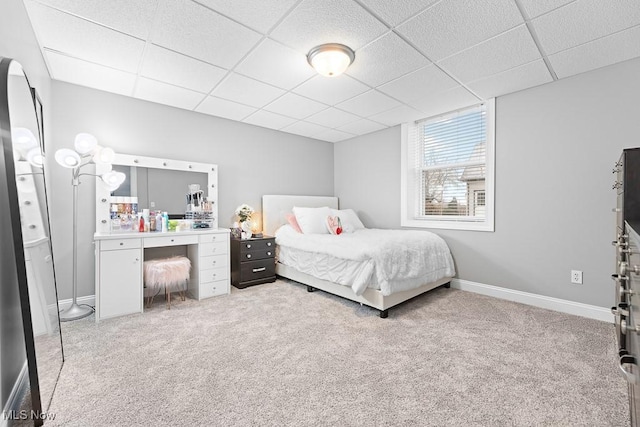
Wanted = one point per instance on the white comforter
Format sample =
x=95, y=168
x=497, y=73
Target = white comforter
x=400, y=259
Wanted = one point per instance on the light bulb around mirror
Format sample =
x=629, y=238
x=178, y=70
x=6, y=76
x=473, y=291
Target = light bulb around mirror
x=113, y=179
x=67, y=158
x=85, y=143
x=23, y=138
x=35, y=157
x=104, y=155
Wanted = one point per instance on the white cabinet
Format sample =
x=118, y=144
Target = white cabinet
x=119, y=287
x=210, y=266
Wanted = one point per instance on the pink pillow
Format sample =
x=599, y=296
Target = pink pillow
x=334, y=224
x=293, y=222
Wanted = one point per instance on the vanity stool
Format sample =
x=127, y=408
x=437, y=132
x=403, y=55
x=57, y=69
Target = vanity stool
x=172, y=274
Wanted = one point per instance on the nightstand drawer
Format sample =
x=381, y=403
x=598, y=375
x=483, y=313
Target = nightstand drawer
x=257, y=245
x=258, y=254
x=208, y=249
x=255, y=270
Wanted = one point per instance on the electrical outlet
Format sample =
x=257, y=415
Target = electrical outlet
x=576, y=277
x=152, y=204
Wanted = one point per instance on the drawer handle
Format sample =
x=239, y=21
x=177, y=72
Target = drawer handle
x=268, y=253
x=248, y=255
x=121, y=243
x=258, y=270
x=248, y=246
x=213, y=262
x=213, y=250
x=268, y=243
x=214, y=275
x=171, y=240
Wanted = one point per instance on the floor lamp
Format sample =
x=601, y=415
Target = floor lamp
x=86, y=151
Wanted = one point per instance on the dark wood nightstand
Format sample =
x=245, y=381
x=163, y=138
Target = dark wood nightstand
x=253, y=261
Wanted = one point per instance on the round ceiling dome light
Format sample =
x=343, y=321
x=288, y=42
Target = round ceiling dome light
x=331, y=59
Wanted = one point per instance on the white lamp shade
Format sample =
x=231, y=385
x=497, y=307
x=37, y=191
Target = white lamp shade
x=113, y=179
x=35, y=157
x=103, y=155
x=85, y=143
x=67, y=158
x=331, y=60
x=23, y=138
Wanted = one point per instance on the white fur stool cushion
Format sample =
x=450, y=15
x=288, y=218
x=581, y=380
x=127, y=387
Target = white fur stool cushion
x=171, y=274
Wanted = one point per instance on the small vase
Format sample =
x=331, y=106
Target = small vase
x=246, y=229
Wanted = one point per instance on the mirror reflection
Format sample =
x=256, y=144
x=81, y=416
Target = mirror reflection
x=159, y=189
x=42, y=313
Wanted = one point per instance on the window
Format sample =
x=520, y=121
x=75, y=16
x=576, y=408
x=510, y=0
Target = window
x=447, y=170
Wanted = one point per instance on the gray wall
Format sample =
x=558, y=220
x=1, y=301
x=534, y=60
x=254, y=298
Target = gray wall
x=251, y=160
x=17, y=41
x=556, y=145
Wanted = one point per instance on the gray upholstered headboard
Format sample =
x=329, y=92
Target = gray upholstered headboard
x=274, y=208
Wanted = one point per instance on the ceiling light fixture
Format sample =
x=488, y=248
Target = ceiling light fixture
x=331, y=59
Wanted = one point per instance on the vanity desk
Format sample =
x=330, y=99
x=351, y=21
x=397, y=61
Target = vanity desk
x=119, y=266
x=120, y=256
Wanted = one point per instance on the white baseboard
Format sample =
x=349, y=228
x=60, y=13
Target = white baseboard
x=556, y=304
x=18, y=392
x=66, y=303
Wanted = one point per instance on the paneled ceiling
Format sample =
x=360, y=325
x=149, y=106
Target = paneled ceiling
x=246, y=60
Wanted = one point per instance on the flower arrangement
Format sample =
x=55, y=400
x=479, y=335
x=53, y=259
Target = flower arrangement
x=244, y=212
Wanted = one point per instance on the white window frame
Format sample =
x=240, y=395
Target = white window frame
x=410, y=196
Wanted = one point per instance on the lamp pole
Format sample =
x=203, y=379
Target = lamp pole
x=75, y=311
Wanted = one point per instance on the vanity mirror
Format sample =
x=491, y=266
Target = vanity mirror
x=27, y=258
x=158, y=184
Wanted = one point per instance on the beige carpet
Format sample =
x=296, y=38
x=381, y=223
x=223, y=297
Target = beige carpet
x=275, y=354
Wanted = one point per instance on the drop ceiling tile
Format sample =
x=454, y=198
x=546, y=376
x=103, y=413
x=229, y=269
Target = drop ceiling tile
x=305, y=129
x=510, y=49
x=247, y=91
x=395, y=12
x=445, y=102
x=598, y=53
x=368, y=104
x=315, y=22
x=583, y=21
x=194, y=30
x=174, y=68
x=296, y=106
x=525, y=76
x=131, y=17
x=84, y=40
x=452, y=25
x=84, y=73
x=535, y=8
x=333, y=135
x=332, y=118
x=362, y=127
x=419, y=84
x=224, y=108
x=167, y=94
x=276, y=64
x=385, y=59
x=401, y=114
x=331, y=90
x=269, y=120
x=257, y=14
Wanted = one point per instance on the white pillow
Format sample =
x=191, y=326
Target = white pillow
x=349, y=219
x=312, y=220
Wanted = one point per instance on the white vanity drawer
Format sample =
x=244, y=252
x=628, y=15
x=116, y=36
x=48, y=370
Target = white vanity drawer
x=211, y=289
x=154, y=242
x=208, y=249
x=214, y=238
x=213, y=261
x=112, y=245
x=213, y=274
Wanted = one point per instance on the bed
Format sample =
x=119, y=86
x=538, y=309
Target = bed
x=346, y=271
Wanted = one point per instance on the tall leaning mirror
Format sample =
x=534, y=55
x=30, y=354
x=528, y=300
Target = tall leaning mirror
x=27, y=266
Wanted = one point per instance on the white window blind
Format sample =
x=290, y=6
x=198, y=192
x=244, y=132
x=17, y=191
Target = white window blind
x=451, y=159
